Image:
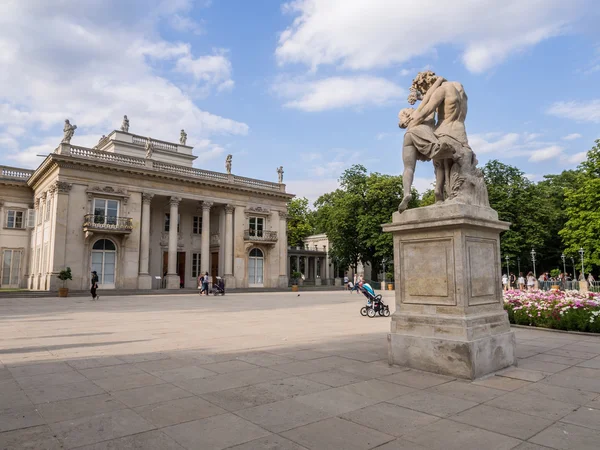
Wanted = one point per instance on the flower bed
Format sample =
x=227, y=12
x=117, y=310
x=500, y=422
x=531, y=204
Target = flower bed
x=561, y=310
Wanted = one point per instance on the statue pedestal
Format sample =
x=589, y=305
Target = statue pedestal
x=449, y=315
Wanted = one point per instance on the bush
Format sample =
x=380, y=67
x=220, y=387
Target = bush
x=561, y=310
x=65, y=275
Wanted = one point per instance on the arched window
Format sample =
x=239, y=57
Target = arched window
x=255, y=268
x=104, y=259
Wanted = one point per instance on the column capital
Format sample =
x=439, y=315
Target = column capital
x=229, y=209
x=207, y=205
x=147, y=197
x=174, y=201
x=283, y=215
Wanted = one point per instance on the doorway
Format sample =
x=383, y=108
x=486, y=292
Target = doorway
x=214, y=265
x=255, y=268
x=104, y=262
x=180, y=267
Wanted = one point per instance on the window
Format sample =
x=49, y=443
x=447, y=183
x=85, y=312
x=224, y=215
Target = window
x=48, y=208
x=168, y=221
x=256, y=226
x=11, y=266
x=106, y=211
x=195, y=265
x=14, y=219
x=197, y=225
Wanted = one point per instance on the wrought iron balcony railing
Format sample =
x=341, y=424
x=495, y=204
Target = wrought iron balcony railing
x=113, y=224
x=260, y=235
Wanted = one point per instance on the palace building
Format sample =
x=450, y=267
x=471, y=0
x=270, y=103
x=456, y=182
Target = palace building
x=135, y=210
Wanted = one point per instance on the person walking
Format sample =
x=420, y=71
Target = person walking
x=530, y=281
x=94, y=285
x=205, y=282
x=521, y=281
x=505, y=282
x=200, y=282
x=513, y=279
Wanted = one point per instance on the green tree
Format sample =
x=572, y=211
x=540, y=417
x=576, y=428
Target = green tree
x=427, y=198
x=582, y=229
x=299, y=224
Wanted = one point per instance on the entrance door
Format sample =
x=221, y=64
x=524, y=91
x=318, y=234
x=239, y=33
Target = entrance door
x=11, y=268
x=255, y=268
x=180, y=269
x=214, y=265
x=104, y=262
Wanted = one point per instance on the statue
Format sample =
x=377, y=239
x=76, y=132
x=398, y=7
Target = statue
x=445, y=142
x=183, y=137
x=280, y=174
x=97, y=146
x=125, y=124
x=149, y=148
x=69, y=131
x=228, y=164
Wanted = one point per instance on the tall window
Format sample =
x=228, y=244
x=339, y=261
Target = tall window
x=48, y=207
x=15, y=219
x=257, y=225
x=195, y=265
x=197, y=225
x=106, y=211
x=168, y=221
x=11, y=267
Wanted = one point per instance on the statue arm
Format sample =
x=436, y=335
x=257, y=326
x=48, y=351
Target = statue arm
x=426, y=109
x=430, y=92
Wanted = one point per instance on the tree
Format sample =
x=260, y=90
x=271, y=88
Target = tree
x=582, y=229
x=299, y=224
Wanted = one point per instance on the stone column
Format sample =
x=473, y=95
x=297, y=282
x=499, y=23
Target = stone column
x=282, y=242
x=316, y=269
x=173, y=280
x=306, y=268
x=205, y=250
x=229, y=278
x=144, y=278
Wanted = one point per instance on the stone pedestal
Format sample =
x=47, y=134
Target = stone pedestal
x=173, y=281
x=338, y=282
x=318, y=282
x=229, y=281
x=283, y=282
x=583, y=286
x=449, y=315
x=144, y=282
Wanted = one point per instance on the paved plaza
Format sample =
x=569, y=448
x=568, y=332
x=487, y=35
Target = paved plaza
x=270, y=371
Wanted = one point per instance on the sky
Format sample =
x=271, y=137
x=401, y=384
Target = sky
x=313, y=85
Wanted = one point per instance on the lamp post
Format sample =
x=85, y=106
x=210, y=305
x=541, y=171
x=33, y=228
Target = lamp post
x=519, y=265
x=507, y=268
x=581, y=254
x=564, y=264
x=383, y=286
x=574, y=271
x=533, y=261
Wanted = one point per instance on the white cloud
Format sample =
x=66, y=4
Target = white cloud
x=337, y=92
x=421, y=184
x=585, y=111
x=62, y=60
x=485, y=143
x=312, y=189
x=364, y=34
x=531, y=176
x=544, y=154
x=185, y=24
x=572, y=137
x=577, y=158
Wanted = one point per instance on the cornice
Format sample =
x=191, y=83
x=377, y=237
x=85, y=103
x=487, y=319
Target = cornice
x=56, y=160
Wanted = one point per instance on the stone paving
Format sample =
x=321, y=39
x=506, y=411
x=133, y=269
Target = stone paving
x=270, y=371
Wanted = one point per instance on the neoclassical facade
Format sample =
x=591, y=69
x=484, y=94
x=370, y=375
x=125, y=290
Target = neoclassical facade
x=135, y=210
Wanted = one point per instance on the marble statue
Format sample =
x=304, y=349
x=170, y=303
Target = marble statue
x=149, y=148
x=183, y=137
x=125, y=124
x=228, y=164
x=280, y=174
x=458, y=180
x=69, y=131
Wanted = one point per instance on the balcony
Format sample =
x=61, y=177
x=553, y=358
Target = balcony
x=106, y=224
x=264, y=236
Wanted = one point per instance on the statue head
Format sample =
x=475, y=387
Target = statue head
x=67, y=122
x=413, y=96
x=229, y=157
x=182, y=132
x=423, y=81
x=405, y=116
x=125, y=117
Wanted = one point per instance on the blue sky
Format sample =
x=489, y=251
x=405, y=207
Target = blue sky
x=313, y=85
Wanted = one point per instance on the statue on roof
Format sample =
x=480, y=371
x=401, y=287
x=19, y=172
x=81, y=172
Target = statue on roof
x=125, y=124
x=69, y=131
x=149, y=148
x=183, y=137
x=280, y=174
x=228, y=163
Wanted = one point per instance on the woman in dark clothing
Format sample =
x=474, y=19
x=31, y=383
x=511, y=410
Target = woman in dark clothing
x=94, y=285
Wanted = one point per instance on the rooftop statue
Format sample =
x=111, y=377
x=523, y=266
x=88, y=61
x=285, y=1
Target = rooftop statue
x=69, y=131
x=228, y=163
x=125, y=124
x=444, y=141
x=280, y=174
x=149, y=148
x=183, y=137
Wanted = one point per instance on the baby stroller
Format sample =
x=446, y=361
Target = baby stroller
x=219, y=287
x=375, y=303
